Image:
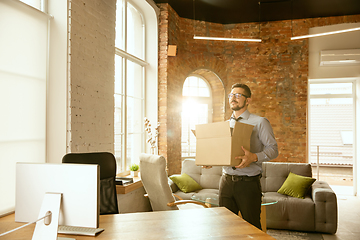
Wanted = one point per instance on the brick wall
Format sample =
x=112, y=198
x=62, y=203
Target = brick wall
x=276, y=70
x=91, y=75
x=162, y=88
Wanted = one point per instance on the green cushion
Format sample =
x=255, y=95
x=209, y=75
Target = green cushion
x=185, y=183
x=296, y=185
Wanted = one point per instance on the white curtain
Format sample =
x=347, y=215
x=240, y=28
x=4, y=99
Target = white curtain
x=23, y=78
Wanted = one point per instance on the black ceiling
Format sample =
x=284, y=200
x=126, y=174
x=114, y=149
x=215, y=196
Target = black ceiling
x=242, y=11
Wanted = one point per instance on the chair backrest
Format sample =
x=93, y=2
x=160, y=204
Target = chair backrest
x=275, y=173
x=207, y=178
x=107, y=163
x=155, y=181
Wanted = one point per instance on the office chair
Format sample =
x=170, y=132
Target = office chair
x=107, y=163
x=155, y=182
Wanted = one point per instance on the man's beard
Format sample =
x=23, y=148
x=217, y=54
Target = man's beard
x=238, y=107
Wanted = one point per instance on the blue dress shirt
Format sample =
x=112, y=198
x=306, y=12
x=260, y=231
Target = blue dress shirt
x=262, y=143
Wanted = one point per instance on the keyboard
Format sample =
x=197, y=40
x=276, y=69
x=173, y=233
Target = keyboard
x=79, y=230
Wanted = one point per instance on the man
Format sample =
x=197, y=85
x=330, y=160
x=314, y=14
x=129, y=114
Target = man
x=240, y=188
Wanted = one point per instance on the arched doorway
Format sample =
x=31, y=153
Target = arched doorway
x=203, y=101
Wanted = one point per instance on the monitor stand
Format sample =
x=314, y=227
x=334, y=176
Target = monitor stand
x=47, y=229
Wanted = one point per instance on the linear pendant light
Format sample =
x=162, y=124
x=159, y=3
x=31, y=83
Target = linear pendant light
x=325, y=33
x=228, y=39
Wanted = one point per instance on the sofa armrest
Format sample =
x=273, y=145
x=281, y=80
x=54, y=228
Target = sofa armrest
x=325, y=207
x=173, y=186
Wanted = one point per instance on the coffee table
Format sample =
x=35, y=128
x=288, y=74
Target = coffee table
x=210, y=199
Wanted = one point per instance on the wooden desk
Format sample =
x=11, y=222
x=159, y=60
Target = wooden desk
x=131, y=197
x=205, y=223
x=124, y=189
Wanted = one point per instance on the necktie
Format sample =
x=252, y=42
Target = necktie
x=238, y=119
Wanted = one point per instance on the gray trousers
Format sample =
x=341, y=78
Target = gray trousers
x=242, y=193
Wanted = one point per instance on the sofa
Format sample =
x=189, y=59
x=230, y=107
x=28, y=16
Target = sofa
x=208, y=179
x=316, y=212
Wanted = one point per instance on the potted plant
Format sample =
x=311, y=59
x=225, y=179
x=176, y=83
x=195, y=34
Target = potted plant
x=134, y=168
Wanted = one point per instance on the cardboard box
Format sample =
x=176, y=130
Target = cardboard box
x=217, y=144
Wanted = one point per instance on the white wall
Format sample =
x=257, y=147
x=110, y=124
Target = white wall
x=348, y=40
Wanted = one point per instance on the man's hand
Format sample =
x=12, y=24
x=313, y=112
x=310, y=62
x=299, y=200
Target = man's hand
x=246, y=159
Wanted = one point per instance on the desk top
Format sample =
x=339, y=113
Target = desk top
x=203, y=223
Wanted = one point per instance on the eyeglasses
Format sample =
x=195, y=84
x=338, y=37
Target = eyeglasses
x=237, y=95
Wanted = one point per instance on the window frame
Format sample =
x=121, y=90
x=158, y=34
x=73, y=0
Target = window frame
x=146, y=64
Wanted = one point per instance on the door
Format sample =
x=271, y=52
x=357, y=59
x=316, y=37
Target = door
x=331, y=131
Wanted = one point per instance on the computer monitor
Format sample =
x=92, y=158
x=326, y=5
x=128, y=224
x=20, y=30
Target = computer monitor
x=78, y=184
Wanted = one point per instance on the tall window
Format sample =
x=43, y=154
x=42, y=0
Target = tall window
x=129, y=96
x=23, y=78
x=196, y=109
x=39, y=4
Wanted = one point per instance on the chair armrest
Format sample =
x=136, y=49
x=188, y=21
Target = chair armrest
x=177, y=196
x=173, y=186
x=325, y=207
x=171, y=204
